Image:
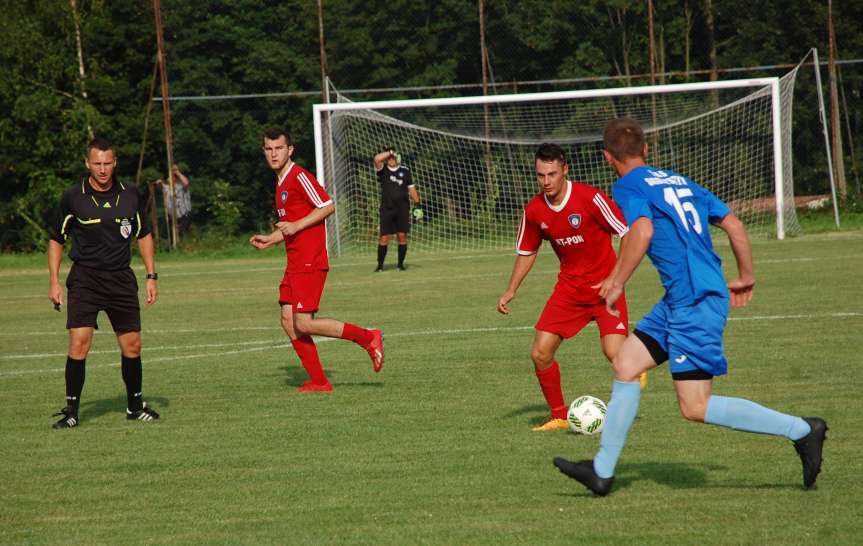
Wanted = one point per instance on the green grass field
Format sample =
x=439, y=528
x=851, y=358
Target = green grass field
x=436, y=449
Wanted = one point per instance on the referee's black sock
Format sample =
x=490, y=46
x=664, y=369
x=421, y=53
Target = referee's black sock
x=403, y=251
x=382, y=255
x=74, y=381
x=132, y=376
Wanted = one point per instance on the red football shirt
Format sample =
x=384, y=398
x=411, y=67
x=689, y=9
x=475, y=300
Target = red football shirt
x=298, y=193
x=579, y=230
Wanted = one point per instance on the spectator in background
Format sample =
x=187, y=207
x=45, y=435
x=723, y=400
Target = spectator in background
x=183, y=200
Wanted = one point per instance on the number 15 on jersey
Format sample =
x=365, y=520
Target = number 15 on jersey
x=676, y=198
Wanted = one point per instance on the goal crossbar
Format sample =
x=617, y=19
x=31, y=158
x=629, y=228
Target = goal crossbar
x=771, y=85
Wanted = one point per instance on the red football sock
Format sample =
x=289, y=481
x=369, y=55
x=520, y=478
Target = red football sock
x=358, y=335
x=308, y=353
x=549, y=382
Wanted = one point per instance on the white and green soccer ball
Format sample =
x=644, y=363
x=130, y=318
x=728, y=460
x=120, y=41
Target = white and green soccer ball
x=586, y=415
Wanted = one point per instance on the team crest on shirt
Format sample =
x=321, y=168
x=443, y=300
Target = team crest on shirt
x=284, y=196
x=574, y=220
x=125, y=228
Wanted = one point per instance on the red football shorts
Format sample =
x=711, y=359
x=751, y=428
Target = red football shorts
x=302, y=291
x=565, y=317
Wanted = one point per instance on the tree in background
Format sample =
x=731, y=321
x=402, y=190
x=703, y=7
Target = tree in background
x=247, y=47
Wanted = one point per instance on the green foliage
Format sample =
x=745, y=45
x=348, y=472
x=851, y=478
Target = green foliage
x=224, y=208
x=245, y=47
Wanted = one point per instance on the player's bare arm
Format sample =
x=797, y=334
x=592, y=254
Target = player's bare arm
x=55, y=256
x=313, y=218
x=523, y=265
x=147, y=248
x=414, y=195
x=605, y=285
x=261, y=241
x=637, y=240
x=381, y=158
x=741, y=287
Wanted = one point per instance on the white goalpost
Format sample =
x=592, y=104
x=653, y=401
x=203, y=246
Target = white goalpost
x=472, y=157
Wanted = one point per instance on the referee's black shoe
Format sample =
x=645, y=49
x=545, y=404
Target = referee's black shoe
x=146, y=413
x=583, y=472
x=809, y=448
x=69, y=420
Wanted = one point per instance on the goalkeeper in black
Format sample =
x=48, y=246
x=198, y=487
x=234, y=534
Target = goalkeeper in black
x=100, y=216
x=397, y=192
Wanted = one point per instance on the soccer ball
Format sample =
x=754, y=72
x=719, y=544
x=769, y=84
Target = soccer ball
x=586, y=415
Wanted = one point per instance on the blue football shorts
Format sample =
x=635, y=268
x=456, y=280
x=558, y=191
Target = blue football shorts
x=691, y=335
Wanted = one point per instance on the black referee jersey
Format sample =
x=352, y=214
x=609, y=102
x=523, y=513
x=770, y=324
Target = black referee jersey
x=394, y=186
x=101, y=224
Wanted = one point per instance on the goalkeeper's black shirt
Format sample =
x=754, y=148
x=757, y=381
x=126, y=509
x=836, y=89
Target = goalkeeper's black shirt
x=394, y=186
x=101, y=224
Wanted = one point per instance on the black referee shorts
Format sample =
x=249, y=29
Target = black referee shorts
x=395, y=220
x=92, y=290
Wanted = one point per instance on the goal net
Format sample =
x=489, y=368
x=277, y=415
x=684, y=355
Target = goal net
x=472, y=158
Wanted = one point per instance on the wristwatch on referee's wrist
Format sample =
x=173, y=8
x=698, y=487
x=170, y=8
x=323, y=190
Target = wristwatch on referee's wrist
x=152, y=276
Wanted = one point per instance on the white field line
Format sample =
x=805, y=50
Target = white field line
x=375, y=280
x=176, y=270
x=58, y=332
x=283, y=345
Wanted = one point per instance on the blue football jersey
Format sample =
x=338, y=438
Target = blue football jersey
x=681, y=249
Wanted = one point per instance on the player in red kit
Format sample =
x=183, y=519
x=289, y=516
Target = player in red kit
x=578, y=221
x=302, y=205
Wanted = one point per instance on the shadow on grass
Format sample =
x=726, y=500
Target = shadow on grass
x=673, y=475
x=97, y=408
x=530, y=409
x=537, y=419
x=296, y=376
x=676, y=476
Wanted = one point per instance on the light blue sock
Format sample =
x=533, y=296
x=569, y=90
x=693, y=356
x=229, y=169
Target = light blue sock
x=621, y=413
x=741, y=414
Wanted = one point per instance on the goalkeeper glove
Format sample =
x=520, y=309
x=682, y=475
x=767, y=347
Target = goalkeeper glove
x=418, y=214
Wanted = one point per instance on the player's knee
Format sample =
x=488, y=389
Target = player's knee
x=302, y=327
x=79, y=347
x=288, y=326
x=541, y=359
x=693, y=411
x=624, y=369
x=132, y=347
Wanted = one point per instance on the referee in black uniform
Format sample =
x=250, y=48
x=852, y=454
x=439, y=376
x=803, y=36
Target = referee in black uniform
x=101, y=215
x=397, y=192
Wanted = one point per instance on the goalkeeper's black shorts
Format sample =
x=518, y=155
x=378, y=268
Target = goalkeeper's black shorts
x=395, y=219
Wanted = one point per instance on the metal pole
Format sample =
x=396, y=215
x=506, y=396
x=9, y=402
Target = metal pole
x=835, y=124
x=485, y=65
x=152, y=202
x=826, y=133
x=778, y=174
x=166, y=112
x=651, y=49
